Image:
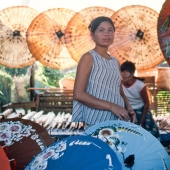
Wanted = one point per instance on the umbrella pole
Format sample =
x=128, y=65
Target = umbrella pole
x=32, y=83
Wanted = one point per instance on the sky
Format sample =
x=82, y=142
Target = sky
x=77, y=5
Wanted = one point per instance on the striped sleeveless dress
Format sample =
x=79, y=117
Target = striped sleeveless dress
x=103, y=83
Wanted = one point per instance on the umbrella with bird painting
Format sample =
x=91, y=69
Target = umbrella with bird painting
x=14, y=22
x=135, y=147
x=163, y=28
x=136, y=37
x=45, y=38
x=77, y=37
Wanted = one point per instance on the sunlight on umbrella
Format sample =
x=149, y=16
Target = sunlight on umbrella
x=14, y=22
x=136, y=36
x=45, y=38
x=77, y=35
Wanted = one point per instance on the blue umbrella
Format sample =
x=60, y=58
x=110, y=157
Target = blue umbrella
x=76, y=153
x=136, y=148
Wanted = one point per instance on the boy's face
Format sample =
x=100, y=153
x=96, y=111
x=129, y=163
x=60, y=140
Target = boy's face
x=126, y=76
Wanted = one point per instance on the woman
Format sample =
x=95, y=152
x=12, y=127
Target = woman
x=136, y=92
x=98, y=94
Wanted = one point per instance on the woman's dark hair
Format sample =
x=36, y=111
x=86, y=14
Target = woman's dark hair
x=97, y=21
x=128, y=66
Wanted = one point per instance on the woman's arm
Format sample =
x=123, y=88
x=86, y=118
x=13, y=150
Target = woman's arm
x=145, y=98
x=80, y=94
x=131, y=112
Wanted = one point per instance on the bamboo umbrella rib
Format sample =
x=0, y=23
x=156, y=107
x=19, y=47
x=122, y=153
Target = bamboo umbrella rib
x=144, y=52
x=13, y=45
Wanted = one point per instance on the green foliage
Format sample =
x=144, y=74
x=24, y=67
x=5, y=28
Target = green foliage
x=5, y=87
x=14, y=71
x=49, y=77
x=70, y=74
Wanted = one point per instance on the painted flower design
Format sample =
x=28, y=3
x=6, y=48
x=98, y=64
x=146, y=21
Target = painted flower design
x=53, y=152
x=15, y=128
x=47, y=155
x=14, y=131
x=3, y=127
x=106, y=132
x=5, y=136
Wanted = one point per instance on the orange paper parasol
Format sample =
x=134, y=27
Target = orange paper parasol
x=77, y=35
x=136, y=36
x=45, y=38
x=14, y=22
x=163, y=28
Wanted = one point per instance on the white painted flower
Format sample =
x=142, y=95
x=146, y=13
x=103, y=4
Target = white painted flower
x=5, y=136
x=3, y=127
x=47, y=155
x=34, y=137
x=38, y=165
x=106, y=132
x=56, y=155
x=61, y=148
x=15, y=128
x=26, y=133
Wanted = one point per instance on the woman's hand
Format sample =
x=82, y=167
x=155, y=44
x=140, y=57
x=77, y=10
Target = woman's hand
x=120, y=112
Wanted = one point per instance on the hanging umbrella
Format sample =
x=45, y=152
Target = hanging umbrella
x=77, y=35
x=45, y=38
x=78, y=153
x=163, y=28
x=22, y=139
x=14, y=22
x=135, y=147
x=136, y=36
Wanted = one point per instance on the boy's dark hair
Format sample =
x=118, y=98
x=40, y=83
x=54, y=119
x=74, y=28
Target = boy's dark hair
x=128, y=66
x=97, y=21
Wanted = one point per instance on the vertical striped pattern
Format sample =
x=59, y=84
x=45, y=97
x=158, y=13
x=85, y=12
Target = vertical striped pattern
x=104, y=83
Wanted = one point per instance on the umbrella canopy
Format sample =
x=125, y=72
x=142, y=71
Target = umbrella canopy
x=14, y=22
x=163, y=28
x=136, y=36
x=77, y=35
x=22, y=139
x=135, y=147
x=45, y=38
x=4, y=161
x=76, y=152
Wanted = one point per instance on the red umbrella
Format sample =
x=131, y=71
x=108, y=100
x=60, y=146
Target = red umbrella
x=163, y=28
x=22, y=140
x=4, y=161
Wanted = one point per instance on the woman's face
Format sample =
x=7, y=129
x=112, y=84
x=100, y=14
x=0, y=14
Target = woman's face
x=104, y=34
x=126, y=76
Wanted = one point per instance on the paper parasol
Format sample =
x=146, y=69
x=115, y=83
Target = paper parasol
x=22, y=139
x=14, y=22
x=136, y=148
x=77, y=35
x=76, y=153
x=136, y=36
x=163, y=28
x=45, y=38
